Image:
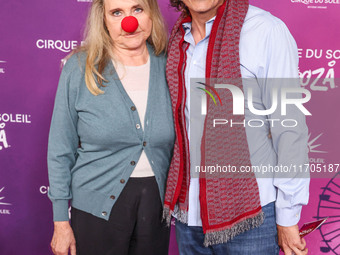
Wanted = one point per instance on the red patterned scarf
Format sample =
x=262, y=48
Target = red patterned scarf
x=229, y=206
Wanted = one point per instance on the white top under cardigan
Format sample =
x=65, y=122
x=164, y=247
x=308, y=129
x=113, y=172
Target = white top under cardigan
x=135, y=80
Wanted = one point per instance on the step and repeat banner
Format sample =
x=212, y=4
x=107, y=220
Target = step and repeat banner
x=36, y=34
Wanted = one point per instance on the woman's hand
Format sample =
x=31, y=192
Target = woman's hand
x=63, y=239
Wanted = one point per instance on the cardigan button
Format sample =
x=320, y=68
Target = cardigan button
x=133, y=163
x=112, y=197
x=133, y=108
x=104, y=213
x=122, y=181
x=137, y=126
x=144, y=144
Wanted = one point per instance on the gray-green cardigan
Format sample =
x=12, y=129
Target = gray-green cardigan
x=95, y=141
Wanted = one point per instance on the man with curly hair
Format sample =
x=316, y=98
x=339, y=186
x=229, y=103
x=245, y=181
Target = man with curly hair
x=230, y=40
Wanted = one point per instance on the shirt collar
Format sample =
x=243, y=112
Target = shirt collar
x=208, y=27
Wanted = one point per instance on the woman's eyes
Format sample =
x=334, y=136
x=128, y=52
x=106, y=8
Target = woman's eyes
x=119, y=13
x=116, y=13
x=138, y=10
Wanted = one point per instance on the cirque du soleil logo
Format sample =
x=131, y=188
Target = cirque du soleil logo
x=1, y=198
x=10, y=118
x=62, y=45
x=2, y=69
x=2, y=203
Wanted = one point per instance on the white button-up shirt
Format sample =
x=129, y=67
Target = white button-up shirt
x=267, y=50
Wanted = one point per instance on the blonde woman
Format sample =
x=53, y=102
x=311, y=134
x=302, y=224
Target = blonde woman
x=112, y=136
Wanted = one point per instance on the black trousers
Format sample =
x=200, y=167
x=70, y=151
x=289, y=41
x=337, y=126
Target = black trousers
x=134, y=226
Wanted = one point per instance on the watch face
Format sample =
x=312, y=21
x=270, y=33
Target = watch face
x=329, y=207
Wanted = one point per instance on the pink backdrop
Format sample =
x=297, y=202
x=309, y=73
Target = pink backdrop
x=36, y=34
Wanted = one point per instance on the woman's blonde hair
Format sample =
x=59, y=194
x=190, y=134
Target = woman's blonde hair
x=98, y=43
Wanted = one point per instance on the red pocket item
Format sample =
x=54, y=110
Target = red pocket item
x=309, y=227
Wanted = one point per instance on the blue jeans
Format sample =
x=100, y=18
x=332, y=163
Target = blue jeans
x=259, y=241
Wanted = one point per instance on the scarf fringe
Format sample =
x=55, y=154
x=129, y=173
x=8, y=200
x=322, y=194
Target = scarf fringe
x=224, y=236
x=167, y=215
x=181, y=215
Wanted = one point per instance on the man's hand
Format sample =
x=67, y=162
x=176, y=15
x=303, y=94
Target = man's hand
x=290, y=241
x=63, y=239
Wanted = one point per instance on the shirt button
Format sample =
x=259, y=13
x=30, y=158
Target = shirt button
x=133, y=163
x=133, y=108
x=144, y=144
x=122, y=181
x=104, y=213
x=112, y=197
x=137, y=126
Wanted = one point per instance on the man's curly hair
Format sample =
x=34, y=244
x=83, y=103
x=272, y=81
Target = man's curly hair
x=180, y=6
